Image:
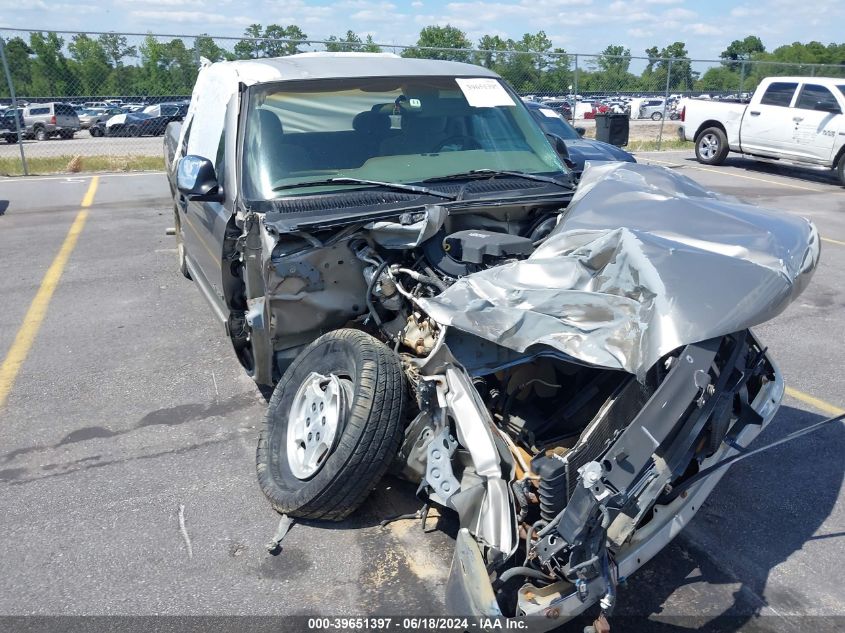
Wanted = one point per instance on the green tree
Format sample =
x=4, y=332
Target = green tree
x=91, y=64
x=559, y=76
x=612, y=73
x=681, y=75
x=653, y=54
x=274, y=46
x=441, y=37
x=351, y=42
x=742, y=50
x=182, y=66
x=271, y=41
x=490, y=49
x=116, y=48
x=718, y=79
x=18, y=55
x=154, y=77
x=51, y=76
x=527, y=61
x=205, y=46
x=250, y=48
x=615, y=60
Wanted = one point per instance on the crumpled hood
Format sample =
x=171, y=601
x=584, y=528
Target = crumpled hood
x=643, y=261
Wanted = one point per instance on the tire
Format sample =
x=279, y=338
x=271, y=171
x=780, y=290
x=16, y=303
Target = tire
x=133, y=130
x=66, y=134
x=95, y=132
x=41, y=134
x=369, y=427
x=840, y=169
x=656, y=116
x=711, y=146
x=11, y=139
x=180, y=248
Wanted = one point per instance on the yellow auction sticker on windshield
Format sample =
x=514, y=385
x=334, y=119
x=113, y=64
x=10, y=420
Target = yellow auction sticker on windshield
x=484, y=92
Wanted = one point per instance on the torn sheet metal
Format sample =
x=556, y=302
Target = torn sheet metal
x=643, y=262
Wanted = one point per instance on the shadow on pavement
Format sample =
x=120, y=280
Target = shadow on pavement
x=825, y=176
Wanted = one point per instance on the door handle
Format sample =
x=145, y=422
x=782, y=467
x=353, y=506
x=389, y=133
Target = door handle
x=754, y=113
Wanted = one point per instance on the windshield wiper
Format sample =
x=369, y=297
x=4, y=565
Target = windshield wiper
x=396, y=186
x=495, y=173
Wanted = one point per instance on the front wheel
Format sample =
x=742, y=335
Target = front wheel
x=41, y=134
x=711, y=147
x=333, y=426
x=840, y=169
x=656, y=116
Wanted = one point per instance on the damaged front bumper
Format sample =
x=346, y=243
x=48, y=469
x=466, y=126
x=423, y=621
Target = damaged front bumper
x=469, y=589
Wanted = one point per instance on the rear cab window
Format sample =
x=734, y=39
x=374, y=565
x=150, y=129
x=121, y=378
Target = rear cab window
x=779, y=93
x=63, y=108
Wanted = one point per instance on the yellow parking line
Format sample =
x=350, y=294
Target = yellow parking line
x=729, y=173
x=827, y=239
x=38, y=308
x=814, y=402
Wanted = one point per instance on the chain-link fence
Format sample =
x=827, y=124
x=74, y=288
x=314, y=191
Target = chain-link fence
x=78, y=94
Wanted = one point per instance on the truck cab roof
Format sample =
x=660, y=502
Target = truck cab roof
x=323, y=65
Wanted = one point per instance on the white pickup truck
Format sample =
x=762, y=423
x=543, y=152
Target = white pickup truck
x=797, y=119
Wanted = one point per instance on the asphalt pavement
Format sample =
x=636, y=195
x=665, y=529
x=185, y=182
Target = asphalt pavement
x=129, y=409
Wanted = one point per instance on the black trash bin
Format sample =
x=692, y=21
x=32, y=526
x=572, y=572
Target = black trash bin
x=612, y=128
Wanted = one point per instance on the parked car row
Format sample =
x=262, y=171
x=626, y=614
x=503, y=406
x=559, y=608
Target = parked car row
x=42, y=121
x=150, y=122
x=636, y=107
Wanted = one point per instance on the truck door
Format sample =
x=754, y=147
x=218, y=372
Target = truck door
x=767, y=126
x=204, y=227
x=817, y=118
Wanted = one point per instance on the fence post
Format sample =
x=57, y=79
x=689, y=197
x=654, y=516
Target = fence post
x=14, y=105
x=575, y=95
x=665, y=101
x=741, y=79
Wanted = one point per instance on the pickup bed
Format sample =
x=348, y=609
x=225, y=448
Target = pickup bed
x=797, y=119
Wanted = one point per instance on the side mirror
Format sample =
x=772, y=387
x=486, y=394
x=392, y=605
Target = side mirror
x=197, y=180
x=828, y=106
x=559, y=146
x=581, y=131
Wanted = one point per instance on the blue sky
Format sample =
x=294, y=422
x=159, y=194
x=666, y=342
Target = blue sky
x=583, y=26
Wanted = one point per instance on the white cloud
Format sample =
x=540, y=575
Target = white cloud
x=743, y=11
x=191, y=17
x=640, y=32
x=701, y=28
x=373, y=15
x=680, y=14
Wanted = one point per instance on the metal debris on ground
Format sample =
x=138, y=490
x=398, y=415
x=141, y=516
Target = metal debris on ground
x=184, y=531
x=422, y=514
x=275, y=546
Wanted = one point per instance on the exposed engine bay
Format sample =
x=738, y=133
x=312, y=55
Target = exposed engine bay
x=562, y=389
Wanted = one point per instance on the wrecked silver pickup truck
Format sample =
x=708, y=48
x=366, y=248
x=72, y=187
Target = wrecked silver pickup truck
x=398, y=249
